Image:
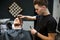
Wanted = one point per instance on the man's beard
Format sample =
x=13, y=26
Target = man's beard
x=17, y=27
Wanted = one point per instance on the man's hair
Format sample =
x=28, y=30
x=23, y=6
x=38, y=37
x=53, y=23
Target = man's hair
x=41, y=2
x=20, y=20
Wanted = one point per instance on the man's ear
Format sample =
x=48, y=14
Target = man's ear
x=43, y=6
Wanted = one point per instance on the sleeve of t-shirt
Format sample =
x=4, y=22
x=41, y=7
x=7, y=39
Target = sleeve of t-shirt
x=38, y=17
x=52, y=26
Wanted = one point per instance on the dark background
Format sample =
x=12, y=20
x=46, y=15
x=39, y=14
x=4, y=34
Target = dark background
x=27, y=6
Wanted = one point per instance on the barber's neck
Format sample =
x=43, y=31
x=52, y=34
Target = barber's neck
x=46, y=12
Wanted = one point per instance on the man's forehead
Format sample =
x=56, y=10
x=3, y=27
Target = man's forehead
x=16, y=20
x=36, y=6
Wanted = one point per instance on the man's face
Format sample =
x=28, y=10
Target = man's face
x=38, y=9
x=17, y=23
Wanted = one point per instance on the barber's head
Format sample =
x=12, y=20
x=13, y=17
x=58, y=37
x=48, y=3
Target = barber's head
x=40, y=6
x=18, y=23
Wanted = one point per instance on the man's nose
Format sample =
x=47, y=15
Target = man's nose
x=36, y=11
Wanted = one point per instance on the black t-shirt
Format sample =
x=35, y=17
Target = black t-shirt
x=59, y=25
x=44, y=25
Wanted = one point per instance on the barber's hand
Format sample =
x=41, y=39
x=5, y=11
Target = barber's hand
x=33, y=31
x=20, y=16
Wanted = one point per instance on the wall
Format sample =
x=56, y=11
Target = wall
x=56, y=8
x=26, y=5
x=56, y=15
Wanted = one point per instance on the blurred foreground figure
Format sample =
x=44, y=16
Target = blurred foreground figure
x=17, y=32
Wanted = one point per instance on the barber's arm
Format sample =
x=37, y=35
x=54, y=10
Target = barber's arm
x=28, y=17
x=51, y=36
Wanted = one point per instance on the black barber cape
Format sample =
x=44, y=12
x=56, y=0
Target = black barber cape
x=17, y=35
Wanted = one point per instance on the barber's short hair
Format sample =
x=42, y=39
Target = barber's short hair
x=41, y=2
